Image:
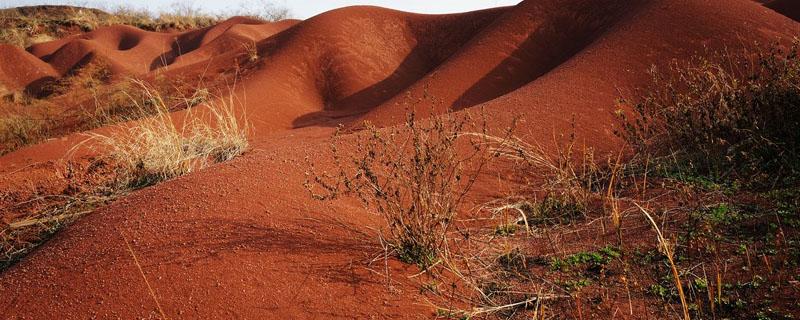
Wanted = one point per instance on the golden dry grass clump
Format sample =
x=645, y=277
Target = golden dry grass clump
x=159, y=147
x=145, y=146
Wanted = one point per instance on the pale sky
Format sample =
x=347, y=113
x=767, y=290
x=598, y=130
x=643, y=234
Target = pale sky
x=301, y=9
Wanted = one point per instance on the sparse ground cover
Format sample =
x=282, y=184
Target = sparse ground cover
x=95, y=99
x=696, y=218
x=146, y=144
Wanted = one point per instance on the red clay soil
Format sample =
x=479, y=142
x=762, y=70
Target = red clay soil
x=18, y=69
x=243, y=239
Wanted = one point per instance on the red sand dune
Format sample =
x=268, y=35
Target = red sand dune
x=131, y=51
x=242, y=239
x=19, y=69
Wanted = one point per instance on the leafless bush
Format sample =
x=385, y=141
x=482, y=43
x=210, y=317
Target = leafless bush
x=414, y=176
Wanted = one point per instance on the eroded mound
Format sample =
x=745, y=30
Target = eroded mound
x=134, y=52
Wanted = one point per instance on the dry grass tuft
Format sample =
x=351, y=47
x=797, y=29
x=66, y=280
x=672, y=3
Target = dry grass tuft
x=17, y=130
x=158, y=147
x=559, y=184
x=666, y=247
x=251, y=50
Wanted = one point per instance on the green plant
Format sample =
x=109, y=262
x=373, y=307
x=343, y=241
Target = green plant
x=575, y=285
x=592, y=260
x=661, y=291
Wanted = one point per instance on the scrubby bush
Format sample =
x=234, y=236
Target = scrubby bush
x=729, y=121
x=413, y=176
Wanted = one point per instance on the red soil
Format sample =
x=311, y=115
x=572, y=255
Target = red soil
x=18, y=69
x=243, y=239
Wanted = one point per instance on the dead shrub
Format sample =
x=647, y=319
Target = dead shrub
x=413, y=176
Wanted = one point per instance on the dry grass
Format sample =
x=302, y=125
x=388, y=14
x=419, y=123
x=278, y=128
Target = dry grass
x=19, y=129
x=50, y=214
x=559, y=183
x=667, y=249
x=29, y=25
x=158, y=147
x=152, y=146
x=735, y=120
x=251, y=50
x=495, y=271
x=561, y=168
x=15, y=37
x=144, y=277
x=96, y=99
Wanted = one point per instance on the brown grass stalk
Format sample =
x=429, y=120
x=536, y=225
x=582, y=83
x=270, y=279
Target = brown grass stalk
x=666, y=248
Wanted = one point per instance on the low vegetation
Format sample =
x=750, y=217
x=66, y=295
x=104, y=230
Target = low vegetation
x=19, y=129
x=710, y=169
x=157, y=147
x=413, y=176
x=98, y=100
x=735, y=122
